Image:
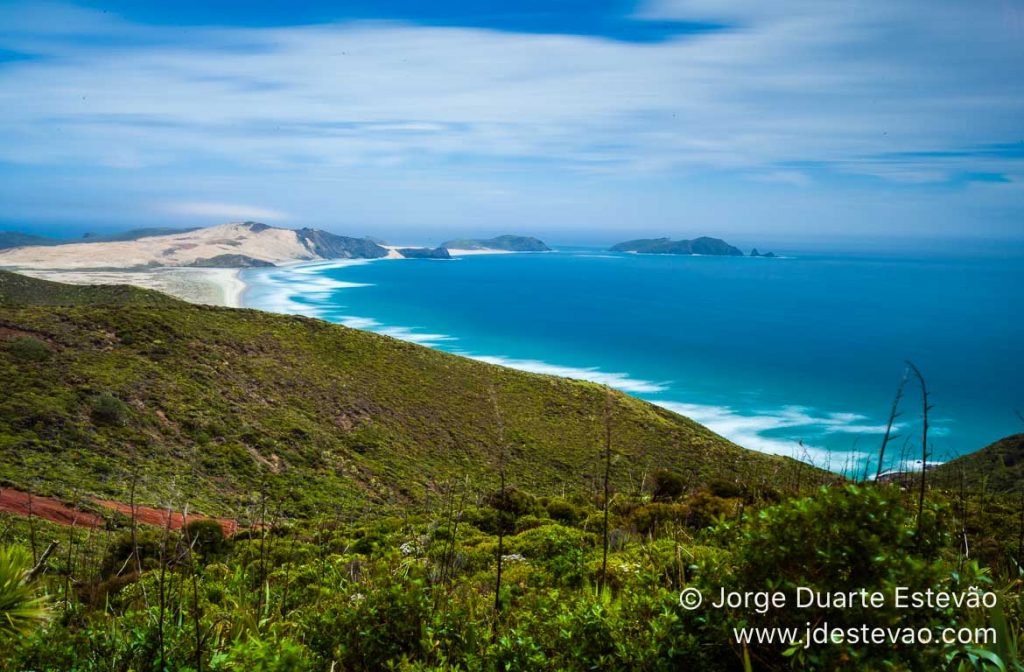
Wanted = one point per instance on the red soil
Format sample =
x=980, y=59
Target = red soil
x=22, y=504
x=150, y=516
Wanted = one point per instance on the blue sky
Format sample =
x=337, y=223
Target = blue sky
x=762, y=122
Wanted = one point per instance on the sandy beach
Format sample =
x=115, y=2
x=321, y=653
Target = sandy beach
x=483, y=250
x=455, y=252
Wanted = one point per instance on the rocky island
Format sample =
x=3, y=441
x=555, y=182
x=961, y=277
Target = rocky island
x=703, y=245
x=503, y=243
x=424, y=253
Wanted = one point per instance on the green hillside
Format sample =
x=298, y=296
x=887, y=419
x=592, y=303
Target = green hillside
x=365, y=474
x=106, y=381
x=21, y=290
x=998, y=467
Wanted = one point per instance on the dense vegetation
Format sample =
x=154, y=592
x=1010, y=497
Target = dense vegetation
x=125, y=385
x=997, y=468
x=405, y=509
x=21, y=290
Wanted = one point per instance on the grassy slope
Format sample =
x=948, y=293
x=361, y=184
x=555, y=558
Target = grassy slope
x=998, y=467
x=21, y=290
x=217, y=399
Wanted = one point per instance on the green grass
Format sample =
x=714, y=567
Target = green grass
x=998, y=467
x=21, y=290
x=381, y=455
x=108, y=382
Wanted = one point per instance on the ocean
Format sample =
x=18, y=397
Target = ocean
x=799, y=355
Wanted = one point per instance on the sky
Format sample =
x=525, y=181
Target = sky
x=581, y=121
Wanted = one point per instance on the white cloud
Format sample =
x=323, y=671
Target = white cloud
x=225, y=211
x=863, y=88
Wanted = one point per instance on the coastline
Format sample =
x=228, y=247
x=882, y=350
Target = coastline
x=483, y=250
x=780, y=418
x=230, y=284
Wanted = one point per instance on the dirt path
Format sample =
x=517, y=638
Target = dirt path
x=22, y=504
x=150, y=516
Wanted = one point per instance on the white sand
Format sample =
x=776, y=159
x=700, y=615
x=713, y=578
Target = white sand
x=393, y=251
x=482, y=250
x=175, y=250
x=162, y=262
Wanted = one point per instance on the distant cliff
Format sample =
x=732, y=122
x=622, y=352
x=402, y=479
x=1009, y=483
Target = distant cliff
x=507, y=243
x=332, y=246
x=702, y=245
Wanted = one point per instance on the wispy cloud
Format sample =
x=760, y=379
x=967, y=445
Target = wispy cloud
x=225, y=211
x=905, y=93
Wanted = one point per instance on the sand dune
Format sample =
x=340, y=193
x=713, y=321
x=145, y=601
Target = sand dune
x=254, y=241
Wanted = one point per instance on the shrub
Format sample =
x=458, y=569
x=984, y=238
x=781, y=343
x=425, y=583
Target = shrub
x=119, y=558
x=844, y=539
x=725, y=489
x=109, y=410
x=262, y=655
x=374, y=628
x=667, y=486
x=564, y=512
x=529, y=522
x=706, y=509
x=515, y=502
x=652, y=518
x=207, y=537
x=28, y=349
x=559, y=550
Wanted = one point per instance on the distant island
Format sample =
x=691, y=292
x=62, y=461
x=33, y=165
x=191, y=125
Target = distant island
x=9, y=239
x=424, y=253
x=703, y=245
x=505, y=243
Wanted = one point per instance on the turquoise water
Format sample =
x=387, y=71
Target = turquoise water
x=797, y=356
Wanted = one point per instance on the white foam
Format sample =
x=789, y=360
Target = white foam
x=301, y=289
x=407, y=334
x=619, y=381
x=748, y=430
x=401, y=333
x=296, y=289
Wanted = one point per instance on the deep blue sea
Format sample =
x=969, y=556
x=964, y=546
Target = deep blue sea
x=798, y=355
